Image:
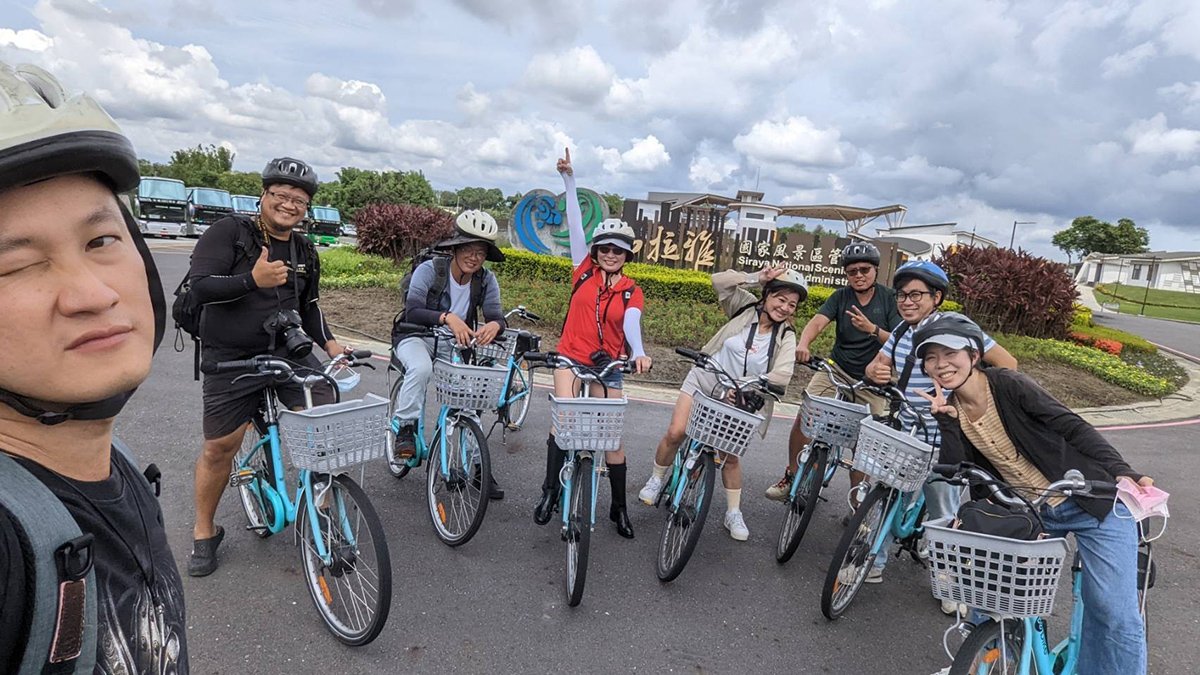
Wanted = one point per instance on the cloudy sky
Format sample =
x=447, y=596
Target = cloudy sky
x=977, y=112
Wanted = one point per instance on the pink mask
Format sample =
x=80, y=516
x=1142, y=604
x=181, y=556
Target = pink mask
x=1142, y=502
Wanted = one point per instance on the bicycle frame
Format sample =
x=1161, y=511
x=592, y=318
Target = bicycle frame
x=901, y=520
x=566, y=477
x=682, y=465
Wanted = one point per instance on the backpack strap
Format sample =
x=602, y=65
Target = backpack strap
x=476, y=298
x=441, y=279
x=907, y=368
x=62, y=606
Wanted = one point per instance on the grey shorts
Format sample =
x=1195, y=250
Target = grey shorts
x=228, y=406
x=699, y=380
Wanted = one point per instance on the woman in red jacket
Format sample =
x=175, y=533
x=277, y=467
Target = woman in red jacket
x=604, y=321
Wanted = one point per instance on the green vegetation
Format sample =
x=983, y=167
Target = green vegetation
x=1090, y=235
x=1161, y=304
x=1103, y=365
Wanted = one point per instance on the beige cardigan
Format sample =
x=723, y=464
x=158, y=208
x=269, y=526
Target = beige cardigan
x=732, y=296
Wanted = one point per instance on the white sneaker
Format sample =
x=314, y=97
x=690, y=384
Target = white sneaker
x=650, y=491
x=736, y=526
x=875, y=576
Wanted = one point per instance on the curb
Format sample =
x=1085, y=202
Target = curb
x=1183, y=404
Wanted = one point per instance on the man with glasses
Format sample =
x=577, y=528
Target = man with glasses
x=862, y=312
x=258, y=283
x=451, y=291
x=921, y=286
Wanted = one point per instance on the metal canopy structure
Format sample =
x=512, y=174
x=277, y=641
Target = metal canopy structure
x=855, y=218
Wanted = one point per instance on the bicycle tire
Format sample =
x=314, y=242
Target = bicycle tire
x=349, y=576
x=458, y=518
x=682, y=529
x=980, y=651
x=801, y=507
x=515, y=413
x=260, y=511
x=852, y=559
x=579, y=530
x=397, y=469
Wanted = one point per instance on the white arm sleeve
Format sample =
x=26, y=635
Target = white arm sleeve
x=633, y=332
x=579, y=247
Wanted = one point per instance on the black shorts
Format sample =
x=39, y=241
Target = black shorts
x=228, y=406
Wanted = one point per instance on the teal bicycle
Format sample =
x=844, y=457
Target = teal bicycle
x=508, y=351
x=459, y=471
x=721, y=422
x=347, y=567
x=586, y=428
x=894, y=506
x=1013, y=582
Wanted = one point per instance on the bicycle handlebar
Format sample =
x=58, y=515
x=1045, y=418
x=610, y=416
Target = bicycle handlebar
x=523, y=313
x=706, y=362
x=583, y=371
x=1072, y=484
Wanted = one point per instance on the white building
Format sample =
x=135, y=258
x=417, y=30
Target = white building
x=1163, y=270
x=925, y=242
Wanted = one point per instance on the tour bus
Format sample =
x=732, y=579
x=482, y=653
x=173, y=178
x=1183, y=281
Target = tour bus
x=325, y=225
x=245, y=204
x=162, y=207
x=207, y=206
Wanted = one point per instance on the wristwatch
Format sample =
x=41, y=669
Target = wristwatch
x=875, y=333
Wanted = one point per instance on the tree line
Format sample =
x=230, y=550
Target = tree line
x=353, y=188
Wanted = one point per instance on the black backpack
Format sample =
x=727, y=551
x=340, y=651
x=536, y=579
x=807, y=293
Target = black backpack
x=186, y=310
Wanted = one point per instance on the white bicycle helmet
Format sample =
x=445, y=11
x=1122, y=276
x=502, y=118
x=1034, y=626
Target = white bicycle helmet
x=790, y=280
x=614, y=232
x=46, y=133
x=474, y=225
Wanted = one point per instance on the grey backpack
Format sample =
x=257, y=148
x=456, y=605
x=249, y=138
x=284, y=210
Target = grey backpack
x=62, y=621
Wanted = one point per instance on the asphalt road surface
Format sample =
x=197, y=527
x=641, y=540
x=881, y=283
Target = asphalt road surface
x=496, y=604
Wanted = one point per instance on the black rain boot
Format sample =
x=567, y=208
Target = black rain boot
x=617, y=512
x=550, y=484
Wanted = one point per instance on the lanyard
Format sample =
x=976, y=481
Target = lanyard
x=600, y=319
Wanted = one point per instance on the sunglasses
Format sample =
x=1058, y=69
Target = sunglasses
x=604, y=249
x=859, y=271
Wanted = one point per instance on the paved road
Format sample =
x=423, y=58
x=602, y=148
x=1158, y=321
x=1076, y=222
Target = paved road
x=1179, y=336
x=496, y=604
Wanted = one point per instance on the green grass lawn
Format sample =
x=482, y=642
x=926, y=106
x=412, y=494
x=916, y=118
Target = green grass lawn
x=1186, y=305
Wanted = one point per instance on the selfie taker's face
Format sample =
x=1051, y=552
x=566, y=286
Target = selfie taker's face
x=76, y=321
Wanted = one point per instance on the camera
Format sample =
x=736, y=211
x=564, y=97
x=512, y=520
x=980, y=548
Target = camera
x=286, y=325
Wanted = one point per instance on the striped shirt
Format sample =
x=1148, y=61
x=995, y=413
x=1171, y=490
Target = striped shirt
x=918, y=381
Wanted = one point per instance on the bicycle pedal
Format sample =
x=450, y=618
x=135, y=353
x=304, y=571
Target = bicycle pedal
x=241, y=477
x=257, y=528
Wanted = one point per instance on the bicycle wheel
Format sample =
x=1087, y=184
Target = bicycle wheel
x=683, y=526
x=262, y=512
x=982, y=653
x=353, y=591
x=803, y=504
x=579, y=529
x=521, y=387
x=457, y=492
x=853, y=559
x=398, y=469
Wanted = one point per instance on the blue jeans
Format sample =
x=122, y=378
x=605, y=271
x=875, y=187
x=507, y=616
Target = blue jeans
x=1113, y=640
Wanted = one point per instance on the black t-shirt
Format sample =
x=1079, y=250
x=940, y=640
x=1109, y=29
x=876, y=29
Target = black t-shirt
x=231, y=325
x=852, y=348
x=140, y=620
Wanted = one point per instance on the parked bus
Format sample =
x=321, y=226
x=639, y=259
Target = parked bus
x=207, y=206
x=162, y=207
x=245, y=205
x=325, y=225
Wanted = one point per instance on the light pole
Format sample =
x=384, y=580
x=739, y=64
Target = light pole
x=1013, y=238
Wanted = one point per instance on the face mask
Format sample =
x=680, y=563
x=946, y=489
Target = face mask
x=1143, y=502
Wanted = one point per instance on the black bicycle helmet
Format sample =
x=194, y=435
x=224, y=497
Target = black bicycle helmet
x=931, y=274
x=860, y=251
x=949, y=329
x=288, y=171
x=46, y=133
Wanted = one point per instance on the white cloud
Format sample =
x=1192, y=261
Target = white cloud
x=644, y=156
x=1128, y=62
x=473, y=103
x=351, y=93
x=1153, y=137
x=28, y=39
x=578, y=74
x=707, y=172
x=795, y=141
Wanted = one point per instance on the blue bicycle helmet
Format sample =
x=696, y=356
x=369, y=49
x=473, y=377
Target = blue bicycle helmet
x=933, y=276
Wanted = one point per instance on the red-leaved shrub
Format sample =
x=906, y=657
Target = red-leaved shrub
x=1011, y=292
x=397, y=231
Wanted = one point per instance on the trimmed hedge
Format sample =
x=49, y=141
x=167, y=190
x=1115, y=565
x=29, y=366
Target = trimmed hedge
x=1105, y=366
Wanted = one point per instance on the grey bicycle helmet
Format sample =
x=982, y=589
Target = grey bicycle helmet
x=860, y=251
x=288, y=171
x=47, y=133
x=949, y=329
